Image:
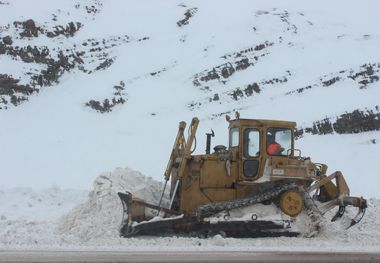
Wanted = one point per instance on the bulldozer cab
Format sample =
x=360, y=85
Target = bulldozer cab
x=256, y=141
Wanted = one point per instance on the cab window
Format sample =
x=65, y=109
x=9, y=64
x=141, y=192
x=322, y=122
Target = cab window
x=252, y=143
x=279, y=141
x=234, y=137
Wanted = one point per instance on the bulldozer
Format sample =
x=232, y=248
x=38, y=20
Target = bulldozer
x=260, y=166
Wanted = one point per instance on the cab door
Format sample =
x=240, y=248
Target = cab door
x=250, y=152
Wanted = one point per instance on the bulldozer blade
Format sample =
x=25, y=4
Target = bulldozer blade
x=134, y=211
x=126, y=222
x=191, y=226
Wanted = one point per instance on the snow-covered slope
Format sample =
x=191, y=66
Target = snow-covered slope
x=149, y=64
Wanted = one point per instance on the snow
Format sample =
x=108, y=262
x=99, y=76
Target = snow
x=100, y=216
x=94, y=223
x=53, y=145
x=53, y=139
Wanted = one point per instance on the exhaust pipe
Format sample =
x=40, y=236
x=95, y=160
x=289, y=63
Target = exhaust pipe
x=208, y=141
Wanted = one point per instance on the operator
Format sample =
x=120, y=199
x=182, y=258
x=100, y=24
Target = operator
x=274, y=148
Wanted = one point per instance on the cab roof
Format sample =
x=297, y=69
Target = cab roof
x=262, y=123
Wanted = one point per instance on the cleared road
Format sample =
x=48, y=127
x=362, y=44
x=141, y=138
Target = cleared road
x=183, y=256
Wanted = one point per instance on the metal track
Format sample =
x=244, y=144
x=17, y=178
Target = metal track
x=213, y=208
x=190, y=226
x=256, y=228
x=311, y=208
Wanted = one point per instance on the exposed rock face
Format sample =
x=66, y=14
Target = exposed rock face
x=7, y=40
x=368, y=73
x=241, y=93
x=353, y=122
x=363, y=76
x=15, y=91
x=119, y=97
x=29, y=28
x=188, y=14
x=237, y=61
x=67, y=30
x=45, y=65
x=89, y=56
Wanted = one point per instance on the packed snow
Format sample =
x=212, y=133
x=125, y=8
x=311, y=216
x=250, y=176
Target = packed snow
x=94, y=222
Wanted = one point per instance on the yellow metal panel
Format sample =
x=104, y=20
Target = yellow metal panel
x=214, y=174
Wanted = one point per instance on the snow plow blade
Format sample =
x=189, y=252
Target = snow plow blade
x=135, y=223
x=134, y=210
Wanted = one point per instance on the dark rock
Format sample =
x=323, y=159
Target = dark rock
x=29, y=27
x=227, y=71
x=238, y=61
x=68, y=31
x=259, y=47
x=252, y=88
x=188, y=14
x=330, y=81
x=16, y=92
x=105, y=64
x=242, y=64
x=236, y=94
x=7, y=40
x=108, y=104
x=356, y=121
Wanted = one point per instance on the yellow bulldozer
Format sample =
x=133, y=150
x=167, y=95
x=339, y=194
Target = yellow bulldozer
x=260, y=166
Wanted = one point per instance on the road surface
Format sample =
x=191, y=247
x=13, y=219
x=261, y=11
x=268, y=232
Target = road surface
x=185, y=256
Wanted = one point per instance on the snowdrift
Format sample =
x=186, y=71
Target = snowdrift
x=100, y=216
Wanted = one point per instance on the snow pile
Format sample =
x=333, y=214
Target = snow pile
x=100, y=216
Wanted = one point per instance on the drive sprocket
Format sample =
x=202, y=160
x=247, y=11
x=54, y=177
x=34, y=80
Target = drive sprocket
x=291, y=202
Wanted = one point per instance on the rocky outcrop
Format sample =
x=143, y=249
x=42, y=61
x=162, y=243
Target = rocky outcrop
x=188, y=14
x=30, y=29
x=351, y=122
x=107, y=105
x=237, y=61
x=364, y=75
x=241, y=93
x=89, y=56
x=15, y=91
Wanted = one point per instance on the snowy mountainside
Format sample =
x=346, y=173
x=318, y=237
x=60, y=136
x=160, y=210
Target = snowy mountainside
x=86, y=86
